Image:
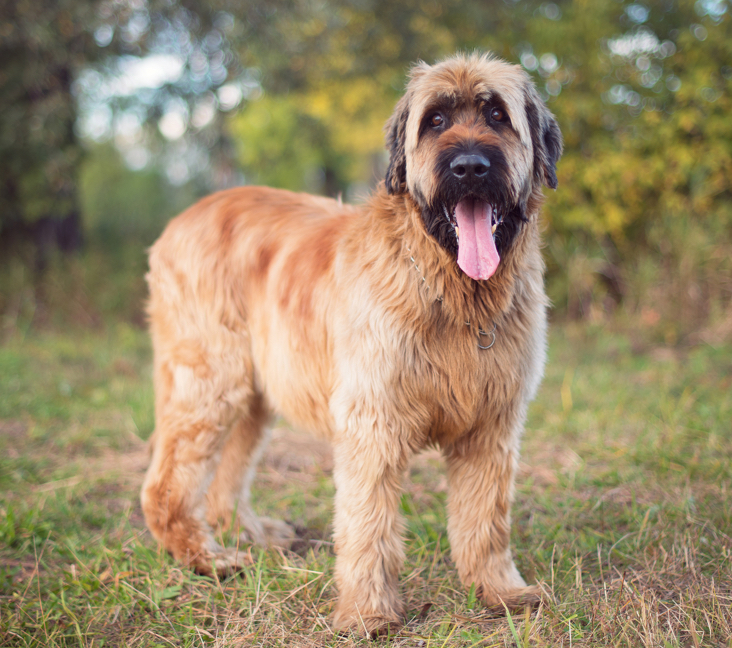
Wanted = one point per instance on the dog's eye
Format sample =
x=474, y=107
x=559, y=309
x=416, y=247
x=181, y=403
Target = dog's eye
x=436, y=120
x=499, y=115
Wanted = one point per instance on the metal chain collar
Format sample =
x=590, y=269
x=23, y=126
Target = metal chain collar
x=481, y=332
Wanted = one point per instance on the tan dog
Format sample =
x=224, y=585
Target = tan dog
x=417, y=319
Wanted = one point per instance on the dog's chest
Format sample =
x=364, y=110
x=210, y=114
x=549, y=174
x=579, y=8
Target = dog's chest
x=462, y=380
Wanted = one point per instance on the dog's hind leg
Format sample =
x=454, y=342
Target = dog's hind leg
x=228, y=496
x=201, y=390
x=480, y=480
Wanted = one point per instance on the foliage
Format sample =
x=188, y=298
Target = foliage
x=622, y=512
x=123, y=205
x=642, y=93
x=307, y=139
x=645, y=180
x=642, y=218
x=101, y=285
x=332, y=73
x=49, y=52
x=41, y=43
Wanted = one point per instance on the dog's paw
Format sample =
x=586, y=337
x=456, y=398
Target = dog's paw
x=514, y=600
x=369, y=625
x=224, y=561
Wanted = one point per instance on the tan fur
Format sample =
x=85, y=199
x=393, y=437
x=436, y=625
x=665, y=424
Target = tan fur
x=264, y=300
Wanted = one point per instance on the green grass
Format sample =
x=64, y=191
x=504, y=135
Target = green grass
x=623, y=510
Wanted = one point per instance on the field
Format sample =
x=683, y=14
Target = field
x=623, y=510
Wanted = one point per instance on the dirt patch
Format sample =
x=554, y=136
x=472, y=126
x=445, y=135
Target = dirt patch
x=297, y=454
x=14, y=433
x=13, y=429
x=303, y=457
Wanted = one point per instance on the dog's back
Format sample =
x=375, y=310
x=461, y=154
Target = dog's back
x=238, y=282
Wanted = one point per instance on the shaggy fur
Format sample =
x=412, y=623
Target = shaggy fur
x=356, y=323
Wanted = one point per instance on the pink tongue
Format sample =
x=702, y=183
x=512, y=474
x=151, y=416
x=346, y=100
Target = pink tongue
x=477, y=254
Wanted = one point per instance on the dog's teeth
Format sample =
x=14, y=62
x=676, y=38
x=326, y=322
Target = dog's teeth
x=457, y=231
x=493, y=229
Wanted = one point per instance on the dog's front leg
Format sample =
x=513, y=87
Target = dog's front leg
x=481, y=475
x=368, y=532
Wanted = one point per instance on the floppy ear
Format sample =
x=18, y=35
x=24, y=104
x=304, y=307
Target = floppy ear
x=545, y=137
x=396, y=127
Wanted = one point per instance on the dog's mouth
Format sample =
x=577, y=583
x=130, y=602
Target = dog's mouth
x=475, y=222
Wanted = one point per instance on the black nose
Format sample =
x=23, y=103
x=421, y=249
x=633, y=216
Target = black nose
x=467, y=167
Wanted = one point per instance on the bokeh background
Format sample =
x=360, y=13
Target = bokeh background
x=117, y=114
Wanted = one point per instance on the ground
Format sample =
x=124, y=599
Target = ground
x=623, y=510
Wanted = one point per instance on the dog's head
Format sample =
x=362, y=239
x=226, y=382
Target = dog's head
x=471, y=141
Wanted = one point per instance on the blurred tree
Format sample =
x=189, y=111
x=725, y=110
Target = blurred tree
x=47, y=50
x=327, y=139
x=120, y=204
x=332, y=72
x=41, y=45
x=57, y=58
x=642, y=92
x=645, y=206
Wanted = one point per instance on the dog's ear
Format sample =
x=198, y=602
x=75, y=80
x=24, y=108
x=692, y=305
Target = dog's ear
x=396, y=128
x=545, y=137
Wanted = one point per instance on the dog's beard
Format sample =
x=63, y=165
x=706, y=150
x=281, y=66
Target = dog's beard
x=478, y=221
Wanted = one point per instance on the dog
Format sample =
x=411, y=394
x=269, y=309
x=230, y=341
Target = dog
x=417, y=319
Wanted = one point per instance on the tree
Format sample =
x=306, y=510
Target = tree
x=644, y=211
x=332, y=73
x=642, y=93
x=45, y=46
x=41, y=44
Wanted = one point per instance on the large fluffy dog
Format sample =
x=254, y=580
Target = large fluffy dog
x=417, y=319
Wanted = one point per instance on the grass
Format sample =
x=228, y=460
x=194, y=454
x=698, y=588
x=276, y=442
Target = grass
x=623, y=509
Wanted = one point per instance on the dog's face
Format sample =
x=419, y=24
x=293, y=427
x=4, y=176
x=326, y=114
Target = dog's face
x=471, y=141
